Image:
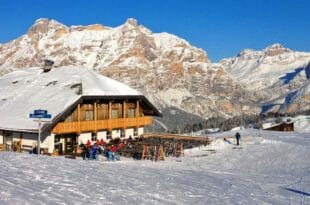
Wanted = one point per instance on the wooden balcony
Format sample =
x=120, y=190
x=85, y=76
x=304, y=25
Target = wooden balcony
x=93, y=126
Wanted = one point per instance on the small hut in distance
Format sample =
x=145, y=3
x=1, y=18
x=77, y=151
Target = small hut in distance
x=284, y=127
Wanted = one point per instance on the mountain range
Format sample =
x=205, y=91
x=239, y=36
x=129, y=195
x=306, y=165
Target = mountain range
x=177, y=77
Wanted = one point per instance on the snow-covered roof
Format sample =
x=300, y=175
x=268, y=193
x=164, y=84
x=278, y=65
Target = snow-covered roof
x=268, y=125
x=28, y=89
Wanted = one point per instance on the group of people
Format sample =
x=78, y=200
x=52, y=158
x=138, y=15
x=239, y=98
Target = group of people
x=91, y=151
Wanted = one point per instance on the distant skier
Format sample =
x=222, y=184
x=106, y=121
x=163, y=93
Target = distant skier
x=238, y=136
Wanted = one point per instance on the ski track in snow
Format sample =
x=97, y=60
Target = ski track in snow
x=270, y=168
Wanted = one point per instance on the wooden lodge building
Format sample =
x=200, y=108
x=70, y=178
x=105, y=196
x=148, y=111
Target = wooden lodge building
x=284, y=127
x=84, y=106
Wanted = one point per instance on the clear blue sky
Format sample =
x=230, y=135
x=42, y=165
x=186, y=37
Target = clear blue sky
x=221, y=27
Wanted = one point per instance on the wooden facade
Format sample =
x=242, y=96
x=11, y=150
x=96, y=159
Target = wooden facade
x=285, y=127
x=89, y=118
x=93, y=116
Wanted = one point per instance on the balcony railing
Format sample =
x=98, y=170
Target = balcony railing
x=93, y=126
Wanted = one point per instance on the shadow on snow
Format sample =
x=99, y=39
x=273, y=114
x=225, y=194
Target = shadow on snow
x=298, y=192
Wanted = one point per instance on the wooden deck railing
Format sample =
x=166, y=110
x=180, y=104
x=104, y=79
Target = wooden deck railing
x=93, y=126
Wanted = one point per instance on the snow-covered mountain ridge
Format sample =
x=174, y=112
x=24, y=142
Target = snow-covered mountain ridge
x=174, y=75
x=167, y=69
x=278, y=76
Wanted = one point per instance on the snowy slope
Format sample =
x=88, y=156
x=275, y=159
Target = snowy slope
x=25, y=90
x=271, y=168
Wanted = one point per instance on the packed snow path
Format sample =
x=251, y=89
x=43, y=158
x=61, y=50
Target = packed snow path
x=271, y=168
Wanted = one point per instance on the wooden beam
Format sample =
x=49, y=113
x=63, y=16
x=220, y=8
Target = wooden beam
x=95, y=115
x=124, y=109
x=21, y=139
x=79, y=112
x=110, y=116
x=110, y=110
x=91, y=126
x=95, y=111
x=137, y=114
x=79, y=118
x=137, y=108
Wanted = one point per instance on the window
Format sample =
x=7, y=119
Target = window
x=114, y=114
x=87, y=112
x=102, y=111
x=57, y=144
x=89, y=115
x=57, y=139
x=69, y=118
x=116, y=111
x=122, y=133
x=93, y=137
x=109, y=135
x=9, y=134
x=131, y=112
x=135, y=131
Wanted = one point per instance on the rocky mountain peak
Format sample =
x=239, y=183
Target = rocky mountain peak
x=275, y=46
x=132, y=22
x=248, y=54
x=43, y=26
x=276, y=49
x=132, y=28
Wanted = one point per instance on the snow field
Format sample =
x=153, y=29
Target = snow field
x=269, y=168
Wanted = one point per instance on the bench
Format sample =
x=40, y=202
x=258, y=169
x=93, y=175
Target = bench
x=2, y=147
x=26, y=148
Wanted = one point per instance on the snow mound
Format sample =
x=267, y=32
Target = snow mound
x=269, y=142
x=302, y=124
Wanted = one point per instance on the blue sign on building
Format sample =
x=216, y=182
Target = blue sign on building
x=40, y=114
x=48, y=116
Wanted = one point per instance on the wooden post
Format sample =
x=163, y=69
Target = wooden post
x=143, y=152
x=161, y=155
x=110, y=116
x=182, y=150
x=79, y=118
x=124, y=116
x=20, y=141
x=79, y=112
x=137, y=109
x=110, y=110
x=95, y=111
x=95, y=115
x=124, y=109
x=137, y=114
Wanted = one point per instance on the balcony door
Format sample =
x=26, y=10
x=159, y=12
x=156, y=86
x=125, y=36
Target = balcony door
x=70, y=144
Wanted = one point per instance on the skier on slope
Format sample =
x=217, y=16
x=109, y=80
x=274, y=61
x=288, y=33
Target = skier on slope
x=238, y=136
